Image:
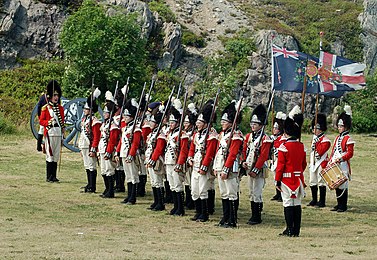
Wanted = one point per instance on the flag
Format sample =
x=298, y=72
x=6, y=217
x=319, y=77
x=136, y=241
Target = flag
x=290, y=69
x=339, y=74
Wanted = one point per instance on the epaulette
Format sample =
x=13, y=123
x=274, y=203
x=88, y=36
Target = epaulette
x=282, y=148
x=237, y=135
x=44, y=107
x=325, y=140
x=350, y=141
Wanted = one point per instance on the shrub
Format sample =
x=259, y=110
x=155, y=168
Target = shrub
x=6, y=126
x=163, y=10
x=191, y=39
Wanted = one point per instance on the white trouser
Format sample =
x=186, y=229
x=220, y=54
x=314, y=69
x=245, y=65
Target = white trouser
x=315, y=177
x=188, y=174
x=256, y=186
x=174, y=178
x=107, y=166
x=53, y=143
x=286, y=195
x=229, y=187
x=156, y=177
x=131, y=171
x=199, y=184
x=41, y=129
x=90, y=163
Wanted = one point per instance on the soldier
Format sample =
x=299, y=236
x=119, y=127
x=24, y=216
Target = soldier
x=154, y=167
x=127, y=149
x=191, y=116
x=318, y=160
x=201, y=154
x=342, y=152
x=43, y=100
x=109, y=139
x=89, y=139
x=277, y=138
x=226, y=164
x=52, y=119
x=255, y=153
x=290, y=172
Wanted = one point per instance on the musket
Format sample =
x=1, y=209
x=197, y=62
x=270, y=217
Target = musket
x=201, y=103
x=91, y=111
x=137, y=112
x=124, y=99
x=182, y=119
x=111, y=117
x=213, y=113
x=146, y=105
x=234, y=125
x=163, y=115
x=180, y=85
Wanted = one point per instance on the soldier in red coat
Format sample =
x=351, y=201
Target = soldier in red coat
x=290, y=172
x=89, y=139
x=278, y=138
x=201, y=154
x=318, y=160
x=256, y=150
x=127, y=149
x=52, y=118
x=342, y=152
x=106, y=148
x=226, y=164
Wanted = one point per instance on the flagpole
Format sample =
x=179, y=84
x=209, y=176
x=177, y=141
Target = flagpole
x=317, y=98
x=304, y=89
x=272, y=79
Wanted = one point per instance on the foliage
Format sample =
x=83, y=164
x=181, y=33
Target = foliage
x=106, y=48
x=306, y=19
x=364, y=107
x=21, y=87
x=6, y=126
x=163, y=11
x=191, y=39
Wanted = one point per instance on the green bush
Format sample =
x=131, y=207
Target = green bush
x=163, y=10
x=191, y=39
x=6, y=126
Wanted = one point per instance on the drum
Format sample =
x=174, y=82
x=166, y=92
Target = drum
x=333, y=176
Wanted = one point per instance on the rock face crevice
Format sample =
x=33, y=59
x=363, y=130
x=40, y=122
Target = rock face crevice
x=368, y=21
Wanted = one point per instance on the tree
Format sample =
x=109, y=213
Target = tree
x=109, y=48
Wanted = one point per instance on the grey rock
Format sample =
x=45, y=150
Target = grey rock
x=368, y=21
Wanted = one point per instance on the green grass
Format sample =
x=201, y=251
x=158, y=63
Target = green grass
x=40, y=220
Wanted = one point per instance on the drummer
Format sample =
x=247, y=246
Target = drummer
x=342, y=152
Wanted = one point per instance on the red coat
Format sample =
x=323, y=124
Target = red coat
x=96, y=134
x=234, y=148
x=46, y=117
x=145, y=130
x=291, y=164
x=183, y=150
x=263, y=152
x=113, y=140
x=321, y=147
x=345, y=145
x=135, y=139
x=159, y=148
x=209, y=153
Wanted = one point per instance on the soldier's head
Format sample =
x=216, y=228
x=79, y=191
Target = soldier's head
x=191, y=115
x=321, y=125
x=109, y=105
x=293, y=123
x=344, y=121
x=174, y=118
x=54, y=91
x=204, y=116
x=258, y=117
x=278, y=127
x=130, y=110
x=91, y=102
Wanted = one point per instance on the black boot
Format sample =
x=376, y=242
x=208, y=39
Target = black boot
x=49, y=169
x=338, y=192
x=198, y=207
x=189, y=203
x=39, y=142
x=175, y=202
x=322, y=197
x=160, y=200
x=180, y=204
x=211, y=202
x=277, y=196
x=342, y=206
x=116, y=180
x=168, y=195
x=129, y=190
x=93, y=181
x=204, y=215
x=54, y=168
x=141, y=185
x=296, y=220
x=236, y=206
x=232, y=221
x=226, y=213
x=106, y=182
x=110, y=191
x=256, y=216
x=289, y=220
x=314, y=201
x=155, y=198
x=88, y=185
x=119, y=181
x=132, y=198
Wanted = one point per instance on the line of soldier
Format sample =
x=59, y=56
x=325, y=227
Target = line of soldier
x=131, y=146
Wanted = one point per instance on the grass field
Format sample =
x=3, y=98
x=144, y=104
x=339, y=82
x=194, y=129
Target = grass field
x=40, y=220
